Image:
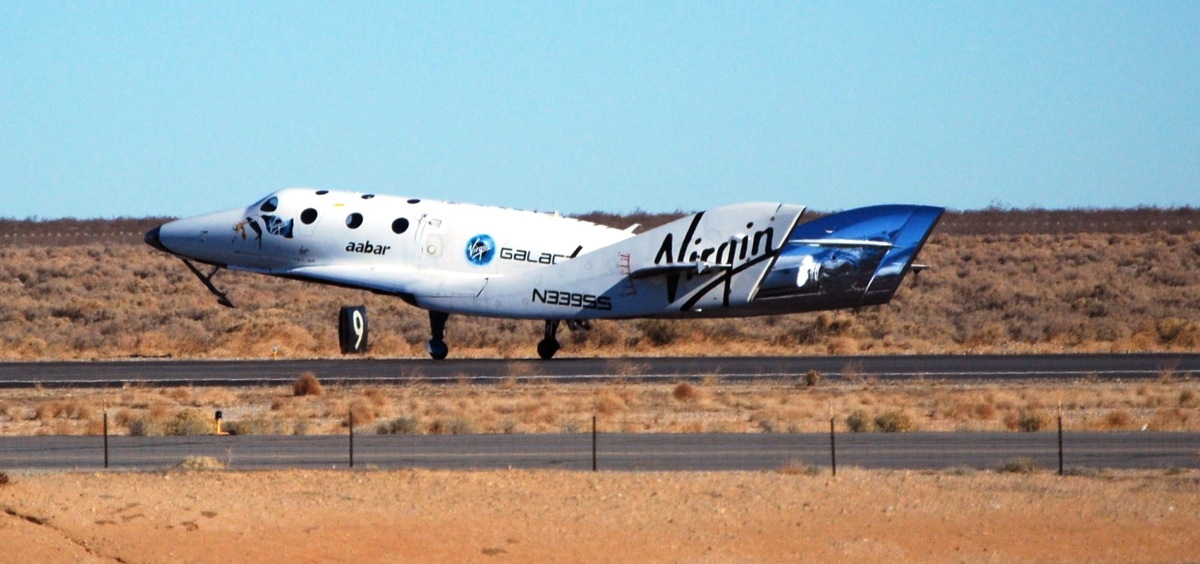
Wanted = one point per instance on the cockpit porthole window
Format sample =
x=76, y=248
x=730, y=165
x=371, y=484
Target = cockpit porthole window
x=368, y=196
x=322, y=192
x=414, y=201
x=400, y=226
x=270, y=205
x=308, y=216
x=354, y=220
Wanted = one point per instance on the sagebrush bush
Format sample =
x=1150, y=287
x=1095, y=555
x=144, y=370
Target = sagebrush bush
x=684, y=392
x=399, y=426
x=894, y=422
x=859, y=422
x=1028, y=421
x=812, y=378
x=307, y=385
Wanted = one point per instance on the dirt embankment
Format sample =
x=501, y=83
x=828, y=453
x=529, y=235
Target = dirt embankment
x=517, y=516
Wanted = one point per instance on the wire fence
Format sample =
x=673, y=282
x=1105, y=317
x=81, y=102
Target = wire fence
x=1067, y=452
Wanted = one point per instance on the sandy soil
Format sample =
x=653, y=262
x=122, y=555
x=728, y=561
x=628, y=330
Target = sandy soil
x=517, y=516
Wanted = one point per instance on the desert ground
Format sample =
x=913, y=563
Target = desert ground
x=518, y=516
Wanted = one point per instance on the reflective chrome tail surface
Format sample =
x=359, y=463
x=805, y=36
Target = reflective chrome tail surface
x=849, y=259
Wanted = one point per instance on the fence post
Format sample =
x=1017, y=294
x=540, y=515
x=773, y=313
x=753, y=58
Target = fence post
x=1060, y=448
x=352, y=439
x=593, y=443
x=106, y=440
x=832, y=447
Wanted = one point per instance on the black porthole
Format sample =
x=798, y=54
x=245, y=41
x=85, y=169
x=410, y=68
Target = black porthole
x=270, y=205
x=322, y=192
x=400, y=226
x=354, y=220
x=308, y=216
x=414, y=201
x=368, y=196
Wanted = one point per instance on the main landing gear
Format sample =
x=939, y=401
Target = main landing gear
x=437, y=326
x=438, y=349
x=549, y=345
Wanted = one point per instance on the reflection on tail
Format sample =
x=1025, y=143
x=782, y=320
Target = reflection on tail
x=849, y=259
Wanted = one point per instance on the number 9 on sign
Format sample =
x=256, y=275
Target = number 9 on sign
x=352, y=329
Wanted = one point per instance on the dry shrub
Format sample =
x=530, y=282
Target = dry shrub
x=894, y=422
x=1120, y=419
x=307, y=385
x=362, y=412
x=123, y=417
x=859, y=422
x=94, y=427
x=146, y=427
x=607, y=403
x=812, y=378
x=198, y=463
x=1026, y=420
x=1187, y=398
x=1022, y=465
x=181, y=395
x=257, y=425
x=796, y=467
x=455, y=426
x=1174, y=419
x=399, y=426
x=191, y=422
x=159, y=411
x=684, y=392
x=984, y=411
x=4, y=479
x=47, y=410
x=376, y=397
x=659, y=332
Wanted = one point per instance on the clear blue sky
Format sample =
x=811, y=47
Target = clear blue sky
x=175, y=108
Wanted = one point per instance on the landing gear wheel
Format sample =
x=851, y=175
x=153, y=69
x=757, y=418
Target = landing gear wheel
x=437, y=349
x=549, y=345
x=546, y=348
x=437, y=328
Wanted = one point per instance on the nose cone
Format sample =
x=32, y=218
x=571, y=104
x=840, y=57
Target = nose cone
x=153, y=239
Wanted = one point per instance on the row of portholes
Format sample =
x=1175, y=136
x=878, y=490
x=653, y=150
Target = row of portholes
x=353, y=221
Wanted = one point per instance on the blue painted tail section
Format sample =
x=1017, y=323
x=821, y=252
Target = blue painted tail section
x=848, y=259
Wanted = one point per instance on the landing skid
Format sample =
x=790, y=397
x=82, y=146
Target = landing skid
x=207, y=280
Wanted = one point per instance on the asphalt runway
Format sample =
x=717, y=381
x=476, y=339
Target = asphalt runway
x=992, y=368
x=616, y=452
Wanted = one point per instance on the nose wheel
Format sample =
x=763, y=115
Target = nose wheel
x=549, y=344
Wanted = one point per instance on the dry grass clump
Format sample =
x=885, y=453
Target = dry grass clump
x=1026, y=420
x=307, y=385
x=1022, y=465
x=184, y=422
x=201, y=463
x=797, y=467
x=399, y=426
x=894, y=422
x=684, y=392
